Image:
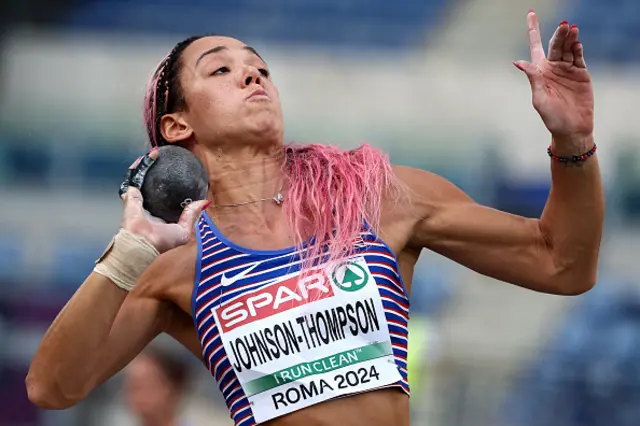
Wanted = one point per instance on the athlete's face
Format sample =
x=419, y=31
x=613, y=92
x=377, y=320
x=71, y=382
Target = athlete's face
x=229, y=96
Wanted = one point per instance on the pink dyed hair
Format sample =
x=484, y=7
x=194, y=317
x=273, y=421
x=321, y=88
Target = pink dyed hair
x=332, y=194
x=151, y=101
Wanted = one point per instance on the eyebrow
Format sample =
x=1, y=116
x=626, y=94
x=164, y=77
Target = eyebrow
x=222, y=48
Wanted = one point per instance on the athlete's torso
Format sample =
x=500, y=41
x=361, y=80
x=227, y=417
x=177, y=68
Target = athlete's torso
x=279, y=345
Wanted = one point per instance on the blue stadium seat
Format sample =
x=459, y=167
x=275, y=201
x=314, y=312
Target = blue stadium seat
x=11, y=257
x=610, y=31
x=73, y=261
x=526, y=199
x=27, y=161
x=432, y=289
x=588, y=375
x=103, y=168
x=627, y=183
x=354, y=23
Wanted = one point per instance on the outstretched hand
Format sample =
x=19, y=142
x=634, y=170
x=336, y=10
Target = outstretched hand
x=560, y=83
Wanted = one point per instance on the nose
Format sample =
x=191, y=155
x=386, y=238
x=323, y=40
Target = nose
x=251, y=75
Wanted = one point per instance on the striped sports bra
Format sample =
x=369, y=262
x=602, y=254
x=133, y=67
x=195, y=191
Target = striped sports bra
x=277, y=341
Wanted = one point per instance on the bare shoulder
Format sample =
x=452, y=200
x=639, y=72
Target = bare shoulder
x=421, y=195
x=427, y=190
x=423, y=200
x=402, y=210
x=399, y=212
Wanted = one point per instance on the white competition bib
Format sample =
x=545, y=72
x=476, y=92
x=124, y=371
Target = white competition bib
x=295, y=343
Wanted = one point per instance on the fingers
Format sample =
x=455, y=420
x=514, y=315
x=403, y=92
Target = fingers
x=578, y=55
x=567, y=51
x=535, y=41
x=137, y=171
x=191, y=213
x=133, y=202
x=135, y=163
x=556, y=44
x=563, y=46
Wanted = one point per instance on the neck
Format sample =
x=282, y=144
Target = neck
x=244, y=175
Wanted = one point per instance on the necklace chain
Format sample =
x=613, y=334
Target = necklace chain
x=278, y=199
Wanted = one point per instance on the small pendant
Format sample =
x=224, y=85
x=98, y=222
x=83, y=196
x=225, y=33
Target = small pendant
x=279, y=198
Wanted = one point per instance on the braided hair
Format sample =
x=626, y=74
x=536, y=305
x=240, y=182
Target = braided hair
x=164, y=94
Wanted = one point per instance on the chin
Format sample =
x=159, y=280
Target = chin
x=268, y=132
x=266, y=139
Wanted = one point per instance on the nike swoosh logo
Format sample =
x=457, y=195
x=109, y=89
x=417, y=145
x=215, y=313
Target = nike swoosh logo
x=227, y=281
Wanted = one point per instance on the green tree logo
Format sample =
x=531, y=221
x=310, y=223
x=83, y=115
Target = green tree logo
x=350, y=277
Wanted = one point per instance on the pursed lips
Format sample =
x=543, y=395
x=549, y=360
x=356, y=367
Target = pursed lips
x=258, y=93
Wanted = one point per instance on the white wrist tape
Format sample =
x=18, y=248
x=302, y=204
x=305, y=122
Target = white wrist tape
x=125, y=259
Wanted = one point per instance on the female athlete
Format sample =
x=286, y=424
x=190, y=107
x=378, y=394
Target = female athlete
x=303, y=262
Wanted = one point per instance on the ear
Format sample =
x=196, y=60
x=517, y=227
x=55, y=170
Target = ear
x=175, y=128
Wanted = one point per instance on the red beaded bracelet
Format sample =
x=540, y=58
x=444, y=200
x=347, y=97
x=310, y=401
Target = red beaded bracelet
x=573, y=158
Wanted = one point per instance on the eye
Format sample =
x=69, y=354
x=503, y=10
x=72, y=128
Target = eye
x=222, y=70
x=264, y=72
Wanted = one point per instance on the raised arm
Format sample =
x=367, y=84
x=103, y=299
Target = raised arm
x=557, y=253
x=104, y=326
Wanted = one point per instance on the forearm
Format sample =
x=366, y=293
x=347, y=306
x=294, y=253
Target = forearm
x=573, y=218
x=67, y=357
x=103, y=325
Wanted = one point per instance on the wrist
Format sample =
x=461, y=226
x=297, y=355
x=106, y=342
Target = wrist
x=570, y=145
x=125, y=259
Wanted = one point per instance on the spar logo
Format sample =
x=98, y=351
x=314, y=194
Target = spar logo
x=275, y=298
x=350, y=276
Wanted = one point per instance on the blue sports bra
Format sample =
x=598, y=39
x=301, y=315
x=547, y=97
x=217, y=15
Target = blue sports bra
x=277, y=341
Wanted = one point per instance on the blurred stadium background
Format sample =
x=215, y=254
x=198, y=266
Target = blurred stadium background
x=429, y=81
